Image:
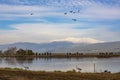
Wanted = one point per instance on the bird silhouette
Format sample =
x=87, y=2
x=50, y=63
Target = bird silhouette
x=79, y=69
x=65, y=13
x=74, y=19
x=25, y=67
x=78, y=11
x=74, y=12
x=71, y=11
x=31, y=14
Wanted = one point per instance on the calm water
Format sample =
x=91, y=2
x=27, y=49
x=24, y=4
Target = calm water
x=64, y=64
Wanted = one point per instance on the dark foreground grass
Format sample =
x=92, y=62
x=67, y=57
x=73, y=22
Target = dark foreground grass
x=17, y=74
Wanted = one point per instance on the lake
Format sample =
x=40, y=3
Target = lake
x=63, y=64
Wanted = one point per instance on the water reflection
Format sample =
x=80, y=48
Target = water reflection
x=10, y=61
x=24, y=60
x=0, y=60
x=63, y=64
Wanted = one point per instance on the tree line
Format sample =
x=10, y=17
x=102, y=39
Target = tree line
x=13, y=51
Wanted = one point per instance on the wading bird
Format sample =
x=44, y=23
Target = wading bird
x=25, y=67
x=79, y=69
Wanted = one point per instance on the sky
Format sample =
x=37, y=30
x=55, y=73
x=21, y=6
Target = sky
x=40, y=21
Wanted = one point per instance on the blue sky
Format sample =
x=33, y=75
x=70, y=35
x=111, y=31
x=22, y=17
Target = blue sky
x=97, y=21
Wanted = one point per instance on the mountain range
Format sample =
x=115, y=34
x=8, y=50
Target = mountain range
x=65, y=46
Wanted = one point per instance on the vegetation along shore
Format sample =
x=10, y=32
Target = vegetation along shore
x=14, y=52
x=19, y=74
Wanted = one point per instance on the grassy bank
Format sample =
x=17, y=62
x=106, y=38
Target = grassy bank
x=19, y=74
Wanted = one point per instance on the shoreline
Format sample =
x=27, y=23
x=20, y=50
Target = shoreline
x=67, y=56
x=18, y=74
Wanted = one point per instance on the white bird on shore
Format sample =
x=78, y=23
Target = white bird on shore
x=25, y=67
x=79, y=69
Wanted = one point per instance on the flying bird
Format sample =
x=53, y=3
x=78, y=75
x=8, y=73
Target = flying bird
x=65, y=13
x=74, y=12
x=78, y=11
x=71, y=11
x=74, y=19
x=31, y=14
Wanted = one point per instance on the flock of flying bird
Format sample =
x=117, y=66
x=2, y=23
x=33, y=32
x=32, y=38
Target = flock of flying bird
x=72, y=12
x=66, y=13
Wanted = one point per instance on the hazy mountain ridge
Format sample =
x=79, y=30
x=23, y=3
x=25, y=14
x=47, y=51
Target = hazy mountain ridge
x=64, y=47
x=94, y=48
x=40, y=47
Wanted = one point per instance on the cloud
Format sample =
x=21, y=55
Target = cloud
x=24, y=11
x=80, y=40
x=45, y=28
x=25, y=8
x=36, y=32
x=102, y=12
x=62, y=3
x=43, y=32
x=104, y=32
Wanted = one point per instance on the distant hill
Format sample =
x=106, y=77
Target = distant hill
x=64, y=47
x=42, y=47
x=92, y=48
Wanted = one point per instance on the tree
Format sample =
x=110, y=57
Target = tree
x=29, y=52
x=10, y=51
x=77, y=53
x=20, y=52
x=1, y=52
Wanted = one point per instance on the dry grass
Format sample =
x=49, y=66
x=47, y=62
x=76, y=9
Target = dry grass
x=38, y=75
